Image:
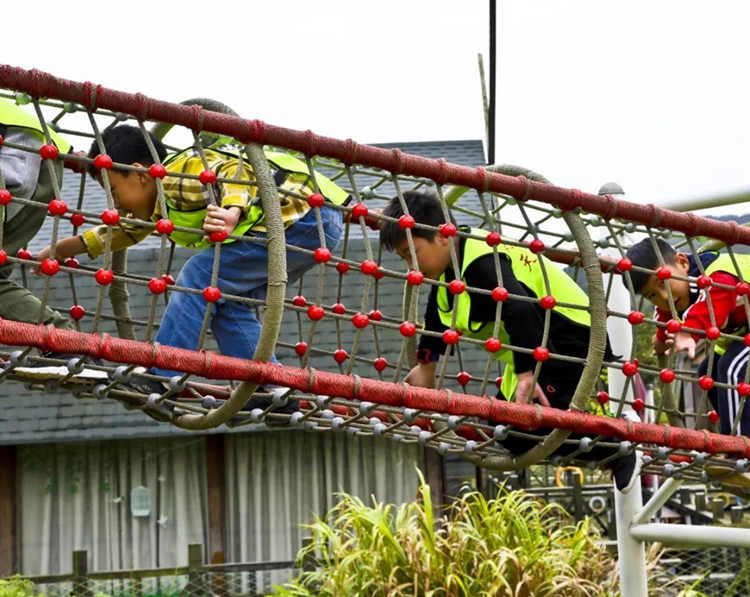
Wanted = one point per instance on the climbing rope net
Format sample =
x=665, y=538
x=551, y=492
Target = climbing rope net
x=345, y=357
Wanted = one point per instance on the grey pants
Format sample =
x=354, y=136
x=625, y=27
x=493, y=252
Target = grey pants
x=16, y=302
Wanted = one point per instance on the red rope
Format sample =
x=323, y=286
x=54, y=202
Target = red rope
x=213, y=366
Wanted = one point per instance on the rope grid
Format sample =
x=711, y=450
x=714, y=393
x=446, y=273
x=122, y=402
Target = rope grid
x=351, y=357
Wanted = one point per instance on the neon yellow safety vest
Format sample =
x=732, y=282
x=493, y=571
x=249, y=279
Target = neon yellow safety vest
x=279, y=161
x=723, y=263
x=526, y=268
x=12, y=115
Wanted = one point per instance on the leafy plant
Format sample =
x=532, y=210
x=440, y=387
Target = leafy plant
x=511, y=545
x=17, y=587
x=514, y=545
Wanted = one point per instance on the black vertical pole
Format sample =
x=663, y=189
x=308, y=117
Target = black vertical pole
x=493, y=51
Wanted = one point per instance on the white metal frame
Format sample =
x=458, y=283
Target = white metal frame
x=696, y=203
x=630, y=550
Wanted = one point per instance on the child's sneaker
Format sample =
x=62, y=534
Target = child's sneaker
x=143, y=386
x=66, y=364
x=283, y=406
x=626, y=470
x=159, y=411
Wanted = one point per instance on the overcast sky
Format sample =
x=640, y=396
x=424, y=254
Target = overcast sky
x=653, y=95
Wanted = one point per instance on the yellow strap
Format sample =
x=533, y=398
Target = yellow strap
x=567, y=469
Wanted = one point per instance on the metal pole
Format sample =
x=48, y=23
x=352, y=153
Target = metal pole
x=650, y=481
x=657, y=501
x=493, y=80
x=690, y=535
x=739, y=196
x=630, y=550
x=631, y=555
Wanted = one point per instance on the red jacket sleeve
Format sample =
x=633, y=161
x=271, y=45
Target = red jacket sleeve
x=723, y=301
x=661, y=315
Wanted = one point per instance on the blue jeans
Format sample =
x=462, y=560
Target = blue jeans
x=242, y=272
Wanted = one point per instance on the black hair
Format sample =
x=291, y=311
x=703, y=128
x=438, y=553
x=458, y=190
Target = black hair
x=424, y=207
x=643, y=254
x=126, y=144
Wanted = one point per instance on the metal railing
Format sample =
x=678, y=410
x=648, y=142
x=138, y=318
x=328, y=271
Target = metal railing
x=195, y=579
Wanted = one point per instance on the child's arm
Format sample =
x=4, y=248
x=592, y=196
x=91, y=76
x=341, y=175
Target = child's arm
x=234, y=201
x=235, y=198
x=124, y=235
x=93, y=241
x=220, y=219
x=524, y=394
x=723, y=301
x=422, y=375
x=683, y=342
x=67, y=247
x=660, y=346
x=662, y=339
x=662, y=336
x=430, y=347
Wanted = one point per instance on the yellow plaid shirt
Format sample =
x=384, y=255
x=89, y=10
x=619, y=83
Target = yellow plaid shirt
x=188, y=194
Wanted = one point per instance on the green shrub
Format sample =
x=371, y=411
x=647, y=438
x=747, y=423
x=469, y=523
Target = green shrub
x=16, y=586
x=512, y=545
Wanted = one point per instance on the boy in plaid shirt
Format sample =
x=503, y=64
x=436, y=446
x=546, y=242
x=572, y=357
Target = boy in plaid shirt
x=243, y=264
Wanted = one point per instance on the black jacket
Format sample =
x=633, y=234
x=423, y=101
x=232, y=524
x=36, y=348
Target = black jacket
x=523, y=321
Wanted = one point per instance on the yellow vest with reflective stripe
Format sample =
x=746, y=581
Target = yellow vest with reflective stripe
x=12, y=115
x=723, y=263
x=278, y=161
x=526, y=268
